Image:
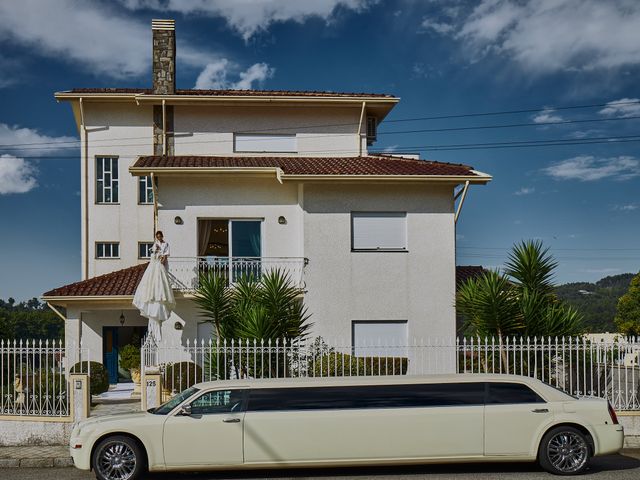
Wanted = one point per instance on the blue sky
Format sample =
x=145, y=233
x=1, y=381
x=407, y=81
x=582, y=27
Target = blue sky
x=441, y=57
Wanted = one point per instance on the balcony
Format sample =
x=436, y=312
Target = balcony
x=184, y=272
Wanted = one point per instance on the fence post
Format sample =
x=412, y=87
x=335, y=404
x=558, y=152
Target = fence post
x=80, y=396
x=151, y=390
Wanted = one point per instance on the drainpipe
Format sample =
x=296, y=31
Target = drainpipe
x=464, y=194
x=164, y=127
x=364, y=105
x=155, y=204
x=85, y=134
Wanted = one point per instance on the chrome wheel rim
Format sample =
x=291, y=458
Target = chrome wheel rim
x=567, y=452
x=116, y=461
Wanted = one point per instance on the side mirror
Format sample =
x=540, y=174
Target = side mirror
x=185, y=410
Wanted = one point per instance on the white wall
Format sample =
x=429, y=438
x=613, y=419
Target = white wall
x=124, y=130
x=192, y=197
x=208, y=129
x=417, y=286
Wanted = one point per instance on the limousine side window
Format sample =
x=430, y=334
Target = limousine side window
x=374, y=396
x=219, y=401
x=503, y=393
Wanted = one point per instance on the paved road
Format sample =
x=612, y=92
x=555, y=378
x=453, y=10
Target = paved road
x=618, y=467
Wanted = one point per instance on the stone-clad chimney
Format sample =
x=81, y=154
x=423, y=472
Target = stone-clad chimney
x=164, y=83
x=164, y=56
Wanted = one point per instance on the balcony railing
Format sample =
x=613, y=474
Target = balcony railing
x=184, y=272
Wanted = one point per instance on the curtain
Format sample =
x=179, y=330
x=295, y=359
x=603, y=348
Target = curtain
x=204, y=234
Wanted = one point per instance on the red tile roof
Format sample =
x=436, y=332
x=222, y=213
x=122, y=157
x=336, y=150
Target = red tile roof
x=466, y=272
x=121, y=282
x=366, y=165
x=229, y=92
x=124, y=282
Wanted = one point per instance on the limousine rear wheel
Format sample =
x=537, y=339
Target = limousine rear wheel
x=117, y=458
x=564, y=451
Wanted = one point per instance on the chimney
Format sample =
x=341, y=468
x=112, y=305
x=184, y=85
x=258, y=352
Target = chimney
x=164, y=56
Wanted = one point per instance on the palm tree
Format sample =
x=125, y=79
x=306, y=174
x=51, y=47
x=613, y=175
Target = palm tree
x=266, y=310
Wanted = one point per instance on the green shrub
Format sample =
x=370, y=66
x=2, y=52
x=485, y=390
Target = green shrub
x=98, y=377
x=182, y=375
x=343, y=365
x=130, y=357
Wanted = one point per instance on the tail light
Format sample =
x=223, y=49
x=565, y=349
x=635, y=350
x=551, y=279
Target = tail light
x=612, y=414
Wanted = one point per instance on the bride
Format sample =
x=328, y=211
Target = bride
x=154, y=295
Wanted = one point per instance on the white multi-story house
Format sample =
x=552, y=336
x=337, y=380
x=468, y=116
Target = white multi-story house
x=257, y=179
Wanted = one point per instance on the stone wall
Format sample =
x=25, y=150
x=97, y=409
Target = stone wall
x=164, y=57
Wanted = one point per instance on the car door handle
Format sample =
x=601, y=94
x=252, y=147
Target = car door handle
x=231, y=420
x=540, y=410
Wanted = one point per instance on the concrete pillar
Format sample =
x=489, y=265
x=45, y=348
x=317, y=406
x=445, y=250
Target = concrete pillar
x=80, y=401
x=151, y=390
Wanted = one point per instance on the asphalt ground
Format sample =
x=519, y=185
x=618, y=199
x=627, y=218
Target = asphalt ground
x=611, y=467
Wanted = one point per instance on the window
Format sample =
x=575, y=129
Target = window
x=511, y=393
x=145, y=190
x=144, y=249
x=370, y=396
x=258, y=142
x=372, y=130
x=220, y=401
x=175, y=401
x=107, y=250
x=379, y=231
x=379, y=338
x=106, y=179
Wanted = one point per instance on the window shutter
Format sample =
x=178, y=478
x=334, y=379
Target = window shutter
x=374, y=231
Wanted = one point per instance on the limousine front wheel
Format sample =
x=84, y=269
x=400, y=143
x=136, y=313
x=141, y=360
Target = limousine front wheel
x=117, y=458
x=564, y=451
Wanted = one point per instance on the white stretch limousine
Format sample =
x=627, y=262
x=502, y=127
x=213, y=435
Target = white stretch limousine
x=352, y=421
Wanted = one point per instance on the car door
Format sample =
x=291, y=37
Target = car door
x=363, y=423
x=514, y=417
x=210, y=435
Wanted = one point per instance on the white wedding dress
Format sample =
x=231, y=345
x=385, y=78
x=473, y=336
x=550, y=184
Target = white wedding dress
x=154, y=296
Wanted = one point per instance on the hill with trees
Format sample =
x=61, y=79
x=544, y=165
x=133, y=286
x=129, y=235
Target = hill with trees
x=29, y=320
x=596, y=301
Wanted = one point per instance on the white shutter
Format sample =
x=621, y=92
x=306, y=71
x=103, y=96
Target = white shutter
x=379, y=231
x=248, y=142
x=380, y=338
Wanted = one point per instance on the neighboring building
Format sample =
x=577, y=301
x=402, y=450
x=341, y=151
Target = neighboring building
x=248, y=180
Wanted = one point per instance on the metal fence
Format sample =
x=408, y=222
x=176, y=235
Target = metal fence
x=578, y=366
x=33, y=377
x=185, y=272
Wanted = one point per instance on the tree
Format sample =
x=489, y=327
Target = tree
x=29, y=320
x=265, y=308
x=628, y=309
x=520, y=302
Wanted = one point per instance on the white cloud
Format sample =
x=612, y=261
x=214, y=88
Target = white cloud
x=20, y=140
x=626, y=208
x=579, y=134
x=546, y=36
x=625, y=107
x=249, y=17
x=16, y=175
x=215, y=76
x=547, y=115
x=587, y=168
x=442, y=28
x=525, y=191
x=93, y=35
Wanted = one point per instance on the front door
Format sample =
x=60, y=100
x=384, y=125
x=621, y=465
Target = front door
x=110, y=349
x=211, y=435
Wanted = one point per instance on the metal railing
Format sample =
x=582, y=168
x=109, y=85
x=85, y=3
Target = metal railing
x=33, y=377
x=577, y=366
x=184, y=272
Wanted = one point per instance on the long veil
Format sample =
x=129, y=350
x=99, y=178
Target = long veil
x=154, y=296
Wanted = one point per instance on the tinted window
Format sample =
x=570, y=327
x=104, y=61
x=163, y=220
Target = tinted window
x=512, y=393
x=379, y=396
x=220, y=401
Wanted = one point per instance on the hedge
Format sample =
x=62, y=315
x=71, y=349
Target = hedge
x=343, y=365
x=98, y=378
x=182, y=375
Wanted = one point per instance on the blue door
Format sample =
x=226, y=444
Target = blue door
x=110, y=349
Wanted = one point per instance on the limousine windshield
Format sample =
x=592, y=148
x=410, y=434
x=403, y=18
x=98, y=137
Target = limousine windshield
x=165, y=408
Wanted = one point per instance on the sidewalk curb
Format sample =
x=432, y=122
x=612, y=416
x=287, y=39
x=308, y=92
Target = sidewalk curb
x=51, y=462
